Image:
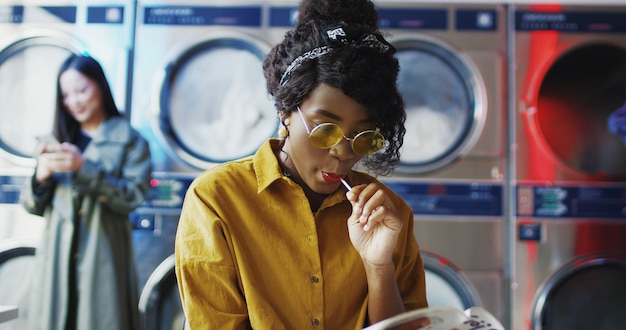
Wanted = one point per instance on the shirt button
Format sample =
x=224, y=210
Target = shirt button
x=315, y=279
x=315, y=322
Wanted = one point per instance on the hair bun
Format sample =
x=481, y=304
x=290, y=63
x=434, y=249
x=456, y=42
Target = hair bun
x=328, y=12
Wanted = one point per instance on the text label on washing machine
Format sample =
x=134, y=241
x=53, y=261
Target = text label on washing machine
x=568, y=21
x=413, y=19
x=250, y=16
x=38, y=14
x=11, y=14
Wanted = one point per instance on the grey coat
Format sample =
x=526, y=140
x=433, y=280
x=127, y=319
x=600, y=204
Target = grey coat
x=113, y=181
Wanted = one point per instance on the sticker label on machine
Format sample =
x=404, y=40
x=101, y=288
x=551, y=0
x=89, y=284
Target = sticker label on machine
x=571, y=202
x=11, y=14
x=67, y=14
x=105, y=14
x=11, y=187
x=38, y=14
x=568, y=21
x=283, y=16
x=461, y=199
x=249, y=16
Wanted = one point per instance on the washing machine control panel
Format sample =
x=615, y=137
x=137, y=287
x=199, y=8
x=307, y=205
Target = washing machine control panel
x=459, y=199
x=203, y=15
x=588, y=201
x=570, y=21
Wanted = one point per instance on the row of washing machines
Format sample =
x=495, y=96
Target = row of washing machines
x=516, y=178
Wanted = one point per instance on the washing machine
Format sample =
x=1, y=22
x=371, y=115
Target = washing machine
x=569, y=68
x=199, y=91
x=453, y=163
x=199, y=97
x=17, y=263
x=35, y=38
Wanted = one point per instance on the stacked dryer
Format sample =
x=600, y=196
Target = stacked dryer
x=570, y=161
x=199, y=97
x=35, y=38
x=453, y=78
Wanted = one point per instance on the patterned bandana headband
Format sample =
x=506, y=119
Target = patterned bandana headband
x=335, y=36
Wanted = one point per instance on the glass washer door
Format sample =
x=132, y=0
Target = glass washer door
x=17, y=264
x=443, y=104
x=581, y=109
x=586, y=293
x=213, y=104
x=159, y=303
x=28, y=71
x=446, y=285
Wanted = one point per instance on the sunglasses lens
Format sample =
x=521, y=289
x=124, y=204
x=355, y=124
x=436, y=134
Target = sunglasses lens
x=326, y=135
x=368, y=142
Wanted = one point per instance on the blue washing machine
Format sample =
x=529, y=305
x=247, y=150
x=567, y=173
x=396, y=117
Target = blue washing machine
x=569, y=66
x=199, y=97
x=35, y=38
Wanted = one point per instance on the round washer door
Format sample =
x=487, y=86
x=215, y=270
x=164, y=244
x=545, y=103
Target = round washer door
x=577, y=101
x=586, y=293
x=447, y=285
x=28, y=70
x=444, y=101
x=159, y=303
x=17, y=264
x=212, y=105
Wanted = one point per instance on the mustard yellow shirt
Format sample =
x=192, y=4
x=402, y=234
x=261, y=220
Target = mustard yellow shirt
x=251, y=254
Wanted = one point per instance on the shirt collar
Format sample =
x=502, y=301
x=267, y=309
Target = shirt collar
x=268, y=170
x=266, y=164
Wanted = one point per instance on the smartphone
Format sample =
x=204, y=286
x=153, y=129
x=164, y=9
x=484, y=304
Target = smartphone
x=48, y=139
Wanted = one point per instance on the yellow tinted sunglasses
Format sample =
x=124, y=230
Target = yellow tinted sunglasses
x=328, y=135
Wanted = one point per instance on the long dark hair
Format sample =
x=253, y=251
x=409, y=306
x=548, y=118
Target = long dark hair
x=367, y=76
x=66, y=127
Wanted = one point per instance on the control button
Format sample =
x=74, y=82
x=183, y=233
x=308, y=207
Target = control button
x=530, y=232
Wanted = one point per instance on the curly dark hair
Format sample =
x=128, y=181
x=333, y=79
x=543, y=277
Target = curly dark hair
x=367, y=76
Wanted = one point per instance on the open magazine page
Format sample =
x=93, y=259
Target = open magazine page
x=441, y=318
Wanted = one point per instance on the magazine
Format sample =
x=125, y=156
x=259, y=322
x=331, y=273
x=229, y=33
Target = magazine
x=440, y=318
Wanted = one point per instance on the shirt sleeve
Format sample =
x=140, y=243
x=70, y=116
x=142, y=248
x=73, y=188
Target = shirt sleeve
x=122, y=189
x=207, y=278
x=411, y=278
x=35, y=196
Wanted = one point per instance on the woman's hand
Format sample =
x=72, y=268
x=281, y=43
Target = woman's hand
x=55, y=158
x=374, y=225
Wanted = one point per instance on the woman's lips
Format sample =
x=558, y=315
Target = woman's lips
x=331, y=178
